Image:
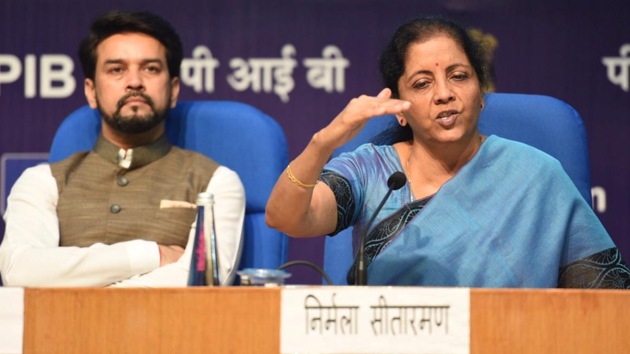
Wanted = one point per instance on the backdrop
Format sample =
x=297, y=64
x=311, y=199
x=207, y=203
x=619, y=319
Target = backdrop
x=301, y=61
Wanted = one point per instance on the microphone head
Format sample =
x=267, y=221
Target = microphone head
x=397, y=180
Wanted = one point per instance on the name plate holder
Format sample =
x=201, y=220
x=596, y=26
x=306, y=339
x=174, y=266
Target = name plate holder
x=375, y=320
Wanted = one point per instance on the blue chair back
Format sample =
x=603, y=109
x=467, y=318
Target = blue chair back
x=543, y=122
x=235, y=135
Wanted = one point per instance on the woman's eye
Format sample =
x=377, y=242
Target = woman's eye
x=420, y=84
x=460, y=77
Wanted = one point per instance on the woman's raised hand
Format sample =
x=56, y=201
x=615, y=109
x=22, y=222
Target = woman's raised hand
x=356, y=114
x=298, y=205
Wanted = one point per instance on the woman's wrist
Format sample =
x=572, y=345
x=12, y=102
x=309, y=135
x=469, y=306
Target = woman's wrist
x=322, y=149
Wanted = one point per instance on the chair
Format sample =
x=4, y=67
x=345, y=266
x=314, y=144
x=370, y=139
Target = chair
x=235, y=135
x=543, y=122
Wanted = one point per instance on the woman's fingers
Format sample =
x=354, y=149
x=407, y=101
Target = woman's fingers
x=366, y=107
x=385, y=93
x=357, y=113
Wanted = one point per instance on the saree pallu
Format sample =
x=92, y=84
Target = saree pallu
x=511, y=217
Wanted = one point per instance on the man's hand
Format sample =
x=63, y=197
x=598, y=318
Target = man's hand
x=169, y=254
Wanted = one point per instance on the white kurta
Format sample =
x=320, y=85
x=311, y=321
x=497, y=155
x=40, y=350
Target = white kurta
x=30, y=254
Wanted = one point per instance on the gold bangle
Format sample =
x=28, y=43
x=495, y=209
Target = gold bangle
x=297, y=181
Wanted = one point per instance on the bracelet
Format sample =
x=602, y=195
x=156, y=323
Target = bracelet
x=297, y=181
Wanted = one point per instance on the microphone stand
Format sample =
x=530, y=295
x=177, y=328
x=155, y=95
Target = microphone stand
x=361, y=278
x=394, y=182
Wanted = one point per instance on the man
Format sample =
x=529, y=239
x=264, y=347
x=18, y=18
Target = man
x=121, y=214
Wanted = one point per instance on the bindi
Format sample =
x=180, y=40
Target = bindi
x=437, y=64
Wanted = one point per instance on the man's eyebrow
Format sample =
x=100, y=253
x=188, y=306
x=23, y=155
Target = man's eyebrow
x=113, y=61
x=144, y=61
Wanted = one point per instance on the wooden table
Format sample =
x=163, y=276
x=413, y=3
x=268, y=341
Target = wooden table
x=247, y=320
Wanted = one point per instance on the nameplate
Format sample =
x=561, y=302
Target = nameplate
x=371, y=319
x=11, y=320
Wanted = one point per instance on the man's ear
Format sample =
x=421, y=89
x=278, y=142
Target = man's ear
x=90, y=92
x=174, y=91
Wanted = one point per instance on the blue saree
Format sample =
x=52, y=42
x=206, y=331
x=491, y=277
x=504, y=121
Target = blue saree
x=511, y=217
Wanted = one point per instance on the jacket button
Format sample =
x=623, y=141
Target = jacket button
x=115, y=209
x=122, y=181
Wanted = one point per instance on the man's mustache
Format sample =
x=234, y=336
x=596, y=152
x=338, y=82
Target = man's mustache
x=123, y=100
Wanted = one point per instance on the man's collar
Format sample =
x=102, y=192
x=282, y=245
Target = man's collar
x=132, y=158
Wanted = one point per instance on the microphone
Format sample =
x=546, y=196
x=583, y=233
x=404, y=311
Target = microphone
x=396, y=181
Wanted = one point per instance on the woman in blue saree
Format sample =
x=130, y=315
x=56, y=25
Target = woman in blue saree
x=477, y=211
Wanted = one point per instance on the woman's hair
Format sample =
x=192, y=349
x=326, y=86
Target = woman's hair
x=393, y=56
x=117, y=22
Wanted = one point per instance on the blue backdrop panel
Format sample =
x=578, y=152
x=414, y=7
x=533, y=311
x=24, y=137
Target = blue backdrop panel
x=302, y=61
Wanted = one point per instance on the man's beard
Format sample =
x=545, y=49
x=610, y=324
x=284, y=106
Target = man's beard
x=135, y=123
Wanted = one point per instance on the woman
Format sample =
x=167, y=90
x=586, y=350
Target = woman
x=477, y=211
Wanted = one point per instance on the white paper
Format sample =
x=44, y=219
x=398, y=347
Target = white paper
x=11, y=320
x=375, y=320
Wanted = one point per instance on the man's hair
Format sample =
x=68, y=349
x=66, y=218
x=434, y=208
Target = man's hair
x=117, y=22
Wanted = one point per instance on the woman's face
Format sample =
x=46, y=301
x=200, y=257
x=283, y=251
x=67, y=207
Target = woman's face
x=443, y=89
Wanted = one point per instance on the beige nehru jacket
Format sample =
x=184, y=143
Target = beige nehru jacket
x=102, y=202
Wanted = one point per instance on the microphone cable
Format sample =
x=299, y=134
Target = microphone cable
x=308, y=264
